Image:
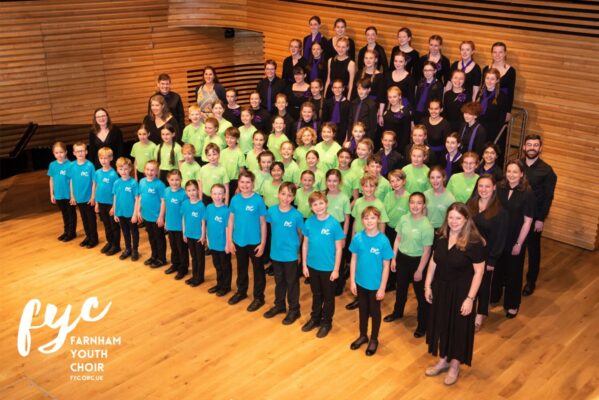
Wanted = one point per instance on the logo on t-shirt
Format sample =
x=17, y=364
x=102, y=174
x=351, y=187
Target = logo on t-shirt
x=218, y=219
x=128, y=189
x=195, y=214
x=174, y=201
x=325, y=231
x=288, y=224
x=63, y=172
x=106, y=180
x=151, y=191
x=84, y=173
x=249, y=208
x=375, y=251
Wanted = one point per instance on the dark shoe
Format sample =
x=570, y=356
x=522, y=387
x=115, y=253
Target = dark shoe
x=113, y=250
x=149, y=261
x=509, y=315
x=157, y=263
x=274, y=311
x=291, y=317
x=307, y=281
x=180, y=275
x=372, y=346
x=255, y=305
x=196, y=282
x=105, y=249
x=358, y=342
x=134, y=255
x=171, y=270
x=189, y=281
x=269, y=271
x=353, y=305
x=69, y=238
x=125, y=254
x=419, y=333
x=392, y=317
x=528, y=290
x=84, y=242
x=323, y=331
x=311, y=324
x=91, y=245
x=62, y=237
x=222, y=292
x=236, y=298
x=213, y=289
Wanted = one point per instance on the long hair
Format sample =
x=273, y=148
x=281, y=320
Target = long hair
x=96, y=126
x=213, y=73
x=164, y=110
x=494, y=204
x=169, y=127
x=497, y=74
x=468, y=234
x=523, y=184
x=376, y=65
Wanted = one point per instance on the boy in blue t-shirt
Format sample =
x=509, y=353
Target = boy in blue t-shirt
x=60, y=192
x=150, y=208
x=217, y=218
x=104, y=178
x=125, y=191
x=81, y=174
x=246, y=237
x=369, y=270
x=174, y=196
x=321, y=257
x=286, y=232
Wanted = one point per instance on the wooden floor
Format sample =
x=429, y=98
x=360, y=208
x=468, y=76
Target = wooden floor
x=182, y=343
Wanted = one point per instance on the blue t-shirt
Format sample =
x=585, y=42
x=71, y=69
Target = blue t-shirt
x=60, y=179
x=125, y=192
x=151, y=194
x=247, y=212
x=104, y=183
x=217, y=219
x=322, y=236
x=284, y=243
x=193, y=214
x=370, y=252
x=82, y=177
x=174, y=201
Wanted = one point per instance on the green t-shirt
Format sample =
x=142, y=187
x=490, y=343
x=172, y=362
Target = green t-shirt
x=327, y=154
x=223, y=124
x=414, y=235
x=292, y=173
x=214, y=139
x=274, y=144
x=142, y=153
x=246, y=138
x=301, y=202
x=461, y=187
x=270, y=193
x=189, y=171
x=383, y=187
x=194, y=136
x=437, y=205
x=211, y=174
x=349, y=182
x=416, y=178
x=396, y=206
x=300, y=156
x=338, y=206
x=233, y=160
x=251, y=162
x=261, y=179
x=360, y=205
x=357, y=166
x=165, y=156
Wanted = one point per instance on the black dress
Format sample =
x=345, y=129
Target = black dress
x=436, y=134
x=154, y=131
x=507, y=83
x=295, y=99
x=262, y=121
x=233, y=115
x=400, y=123
x=452, y=108
x=424, y=96
x=473, y=78
x=114, y=140
x=407, y=86
x=288, y=69
x=411, y=60
x=339, y=71
x=442, y=66
x=449, y=333
x=493, y=116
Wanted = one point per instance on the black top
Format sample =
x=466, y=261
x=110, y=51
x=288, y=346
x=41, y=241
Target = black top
x=542, y=179
x=233, y=115
x=154, y=131
x=330, y=51
x=175, y=105
x=295, y=98
x=508, y=85
x=114, y=140
x=339, y=71
x=377, y=88
x=454, y=264
x=494, y=231
x=435, y=91
x=307, y=44
x=493, y=117
x=316, y=69
x=288, y=69
x=407, y=86
x=364, y=111
x=520, y=204
x=456, y=164
x=412, y=59
x=400, y=123
x=473, y=138
x=473, y=78
x=277, y=85
x=382, y=57
x=452, y=105
x=436, y=134
x=262, y=120
x=327, y=116
x=297, y=125
x=443, y=68
x=391, y=161
x=318, y=104
x=495, y=171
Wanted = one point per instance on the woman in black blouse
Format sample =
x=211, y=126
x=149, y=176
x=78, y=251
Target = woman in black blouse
x=519, y=201
x=454, y=99
x=104, y=134
x=316, y=67
x=489, y=162
x=404, y=38
x=429, y=88
x=314, y=37
x=437, y=128
x=494, y=108
x=507, y=74
x=340, y=28
x=400, y=77
x=293, y=60
x=435, y=46
x=471, y=69
x=491, y=220
x=398, y=116
x=298, y=93
x=158, y=117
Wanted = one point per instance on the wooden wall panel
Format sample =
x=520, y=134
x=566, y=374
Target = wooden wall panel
x=222, y=13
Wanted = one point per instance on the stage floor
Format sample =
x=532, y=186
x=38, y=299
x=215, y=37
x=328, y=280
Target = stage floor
x=173, y=341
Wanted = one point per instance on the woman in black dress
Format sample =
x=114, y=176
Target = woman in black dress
x=470, y=68
x=435, y=45
x=519, y=201
x=314, y=37
x=340, y=28
x=295, y=59
x=454, y=99
x=489, y=162
x=400, y=77
x=491, y=220
x=494, y=108
x=372, y=72
x=437, y=128
x=397, y=116
x=371, y=44
x=452, y=281
x=341, y=67
x=404, y=38
x=104, y=134
x=507, y=74
x=158, y=117
x=297, y=93
x=316, y=67
x=429, y=88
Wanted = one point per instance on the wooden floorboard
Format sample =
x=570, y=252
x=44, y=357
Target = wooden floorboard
x=183, y=343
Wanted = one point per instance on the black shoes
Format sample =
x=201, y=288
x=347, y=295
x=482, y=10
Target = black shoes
x=269, y=271
x=236, y=298
x=323, y=331
x=372, y=346
x=149, y=261
x=134, y=255
x=356, y=344
x=419, y=333
x=113, y=250
x=311, y=324
x=180, y=275
x=68, y=238
x=104, y=250
x=222, y=292
x=125, y=254
x=353, y=305
x=171, y=270
x=291, y=317
x=157, y=263
x=84, y=242
x=528, y=289
x=62, y=237
x=196, y=282
x=392, y=317
x=255, y=305
x=213, y=289
x=509, y=315
x=91, y=244
x=274, y=311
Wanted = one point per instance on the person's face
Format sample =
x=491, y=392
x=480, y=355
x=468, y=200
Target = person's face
x=269, y=71
x=255, y=100
x=278, y=125
x=210, y=129
x=124, y=171
x=340, y=29
x=281, y=104
x=142, y=135
x=358, y=133
x=285, y=197
x=498, y=54
x=319, y=207
x=337, y=89
x=294, y=48
x=344, y=159
x=429, y=72
x=362, y=92
x=307, y=113
x=105, y=161
x=434, y=46
x=489, y=155
x=393, y=97
x=194, y=116
x=299, y=78
x=286, y=151
x=150, y=171
x=403, y=38
x=59, y=153
x=218, y=195
x=208, y=76
x=455, y=221
x=399, y=62
x=457, y=80
x=485, y=188
x=314, y=26
x=362, y=151
x=532, y=148
x=417, y=157
x=155, y=107
x=416, y=205
x=468, y=165
x=387, y=142
x=332, y=182
x=451, y=144
x=342, y=48
x=369, y=59
x=80, y=152
x=265, y=163
x=327, y=134
x=371, y=36
x=245, y=185
x=513, y=174
x=276, y=173
x=231, y=98
x=316, y=51
x=307, y=181
x=218, y=110
x=101, y=118
x=436, y=179
x=374, y=168
x=192, y=192
x=434, y=109
x=490, y=81
x=306, y=138
x=466, y=51
x=418, y=136
x=188, y=156
x=258, y=141
x=368, y=189
x=246, y=117
x=231, y=141
x=213, y=157
x=315, y=89
x=469, y=117
x=370, y=221
x=164, y=86
x=396, y=183
x=311, y=160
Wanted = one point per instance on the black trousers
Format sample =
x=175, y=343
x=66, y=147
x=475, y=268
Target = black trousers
x=157, y=241
x=232, y=188
x=370, y=307
x=179, y=256
x=266, y=255
x=111, y=227
x=391, y=235
x=69, y=217
x=163, y=174
x=207, y=200
x=140, y=176
x=345, y=258
x=323, y=296
x=88, y=217
x=244, y=255
x=508, y=275
x=224, y=269
x=130, y=233
x=286, y=283
x=484, y=293
x=198, y=258
x=405, y=268
x=533, y=246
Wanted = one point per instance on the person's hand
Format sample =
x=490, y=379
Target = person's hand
x=111, y=211
x=134, y=219
x=116, y=219
x=381, y=120
x=466, y=307
x=97, y=208
x=140, y=218
x=185, y=238
x=380, y=294
x=428, y=295
x=52, y=199
x=306, y=272
x=516, y=249
x=334, y=275
x=231, y=248
x=73, y=202
x=490, y=268
x=539, y=226
x=92, y=201
x=354, y=288
x=393, y=265
x=160, y=222
x=259, y=250
x=417, y=276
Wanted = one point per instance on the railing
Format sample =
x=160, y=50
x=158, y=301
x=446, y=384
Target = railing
x=515, y=130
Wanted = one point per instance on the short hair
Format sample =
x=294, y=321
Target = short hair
x=80, y=144
x=259, y=133
x=298, y=70
x=470, y=154
x=336, y=172
x=277, y=164
x=398, y=173
x=289, y=186
x=247, y=109
x=472, y=108
x=371, y=210
x=313, y=152
x=192, y=108
x=389, y=133
x=211, y=146
x=287, y=142
x=231, y=90
x=368, y=143
x=188, y=147
x=369, y=179
x=422, y=127
x=468, y=42
x=307, y=172
x=247, y=174
x=455, y=136
x=281, y=95
x=173, y=172
x=233, y=132
x=266, y=153
x=59, y=144
x=344, y=150
x=270, y=61
x=122, y=161
x=331, y=125
x=374, y=158
x=152, y=162
x=365, y=83
x=418, y=194
x=420, y=147
x=218, y=186
x=163, y=77
x=212, y=121
x=192, y=182
x=105, y=152
x=532, y=136
x=371, y=28
x=315, y=196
